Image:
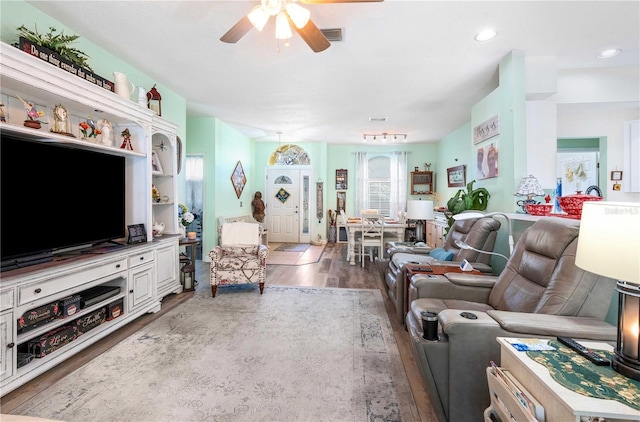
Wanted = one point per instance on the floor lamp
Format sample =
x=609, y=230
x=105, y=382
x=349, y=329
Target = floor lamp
x=609, y=245
x=470, y=215
x=419, y=211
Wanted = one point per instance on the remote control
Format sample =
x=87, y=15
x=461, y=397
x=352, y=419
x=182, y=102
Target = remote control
x=589, y=354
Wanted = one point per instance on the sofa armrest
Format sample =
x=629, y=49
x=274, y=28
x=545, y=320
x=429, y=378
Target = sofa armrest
x=554, y=325
x=493, y=324
x=472, y=280
x=439, y=287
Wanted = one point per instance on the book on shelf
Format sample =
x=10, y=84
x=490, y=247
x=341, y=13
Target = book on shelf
x=523, y=397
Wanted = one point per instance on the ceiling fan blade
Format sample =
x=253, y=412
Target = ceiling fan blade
x=238, y=31
x=311, y=35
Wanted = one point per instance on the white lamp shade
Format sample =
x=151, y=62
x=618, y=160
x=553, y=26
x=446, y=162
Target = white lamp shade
x=420, y=210
x=258, y=17
x=283, y=30
x=298, y=14
x=609, y=240
x=529, y=185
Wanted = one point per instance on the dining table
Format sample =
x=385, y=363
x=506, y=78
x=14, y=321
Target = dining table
x=392, y=228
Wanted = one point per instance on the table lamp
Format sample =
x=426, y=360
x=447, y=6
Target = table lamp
x=471, y=214
x=419, y=211
x=609, y=245
x=529, y=187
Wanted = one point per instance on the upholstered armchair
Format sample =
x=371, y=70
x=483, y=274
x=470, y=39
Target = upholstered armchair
x=540, y=293
x=479, y=233
x=240, y=258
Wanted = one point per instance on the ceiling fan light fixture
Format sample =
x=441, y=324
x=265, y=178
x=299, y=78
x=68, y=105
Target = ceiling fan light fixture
x=258, y=17
x=298, y=14
x=271, y=7
x=283, y=30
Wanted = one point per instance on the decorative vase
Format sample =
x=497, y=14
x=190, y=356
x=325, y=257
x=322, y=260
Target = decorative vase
x=181, y=230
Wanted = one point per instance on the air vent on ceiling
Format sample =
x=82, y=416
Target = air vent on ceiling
x=333, y=34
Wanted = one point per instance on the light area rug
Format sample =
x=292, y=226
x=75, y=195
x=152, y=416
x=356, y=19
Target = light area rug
x=291, y=354
x=311, y=255
x=293, y=247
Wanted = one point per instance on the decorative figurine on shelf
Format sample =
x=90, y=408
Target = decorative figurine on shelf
x=155, y=193
x=258, y=207
x=106, y=129
x=33, y=114
x=86, y=125
x=2, y=119
x=126, y=141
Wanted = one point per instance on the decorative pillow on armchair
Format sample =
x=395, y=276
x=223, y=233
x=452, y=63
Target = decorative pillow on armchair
x=441, y=254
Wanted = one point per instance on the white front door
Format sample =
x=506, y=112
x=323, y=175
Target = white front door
x=285, y=211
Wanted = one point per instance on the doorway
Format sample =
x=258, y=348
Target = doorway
x=288, y=195
x=194, y=166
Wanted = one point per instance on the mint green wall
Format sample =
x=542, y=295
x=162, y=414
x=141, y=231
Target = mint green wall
x=344, y=157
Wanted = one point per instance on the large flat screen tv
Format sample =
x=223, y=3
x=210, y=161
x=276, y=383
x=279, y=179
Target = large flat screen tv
x=56, y=198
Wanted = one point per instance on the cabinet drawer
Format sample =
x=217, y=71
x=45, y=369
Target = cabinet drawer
x=6, y=299
x=140, y=258
x=50, y=286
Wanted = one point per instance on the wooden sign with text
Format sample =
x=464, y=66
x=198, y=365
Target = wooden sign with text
x=55, y=59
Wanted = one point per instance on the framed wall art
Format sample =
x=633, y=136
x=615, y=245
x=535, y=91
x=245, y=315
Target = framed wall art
x=457, y=176
x=238, y=179
x=341, y=200
x=156, y=165
x=616, y=175
x=341, y=179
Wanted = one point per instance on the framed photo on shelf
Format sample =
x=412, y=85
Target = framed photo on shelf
x=616, y=175
x=137, y=234
x=156, y=165
x=456, y=176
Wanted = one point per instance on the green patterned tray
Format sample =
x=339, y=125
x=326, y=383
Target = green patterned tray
x=573, y=371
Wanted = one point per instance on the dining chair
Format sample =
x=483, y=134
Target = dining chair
x=372, y=233
x=355, y=240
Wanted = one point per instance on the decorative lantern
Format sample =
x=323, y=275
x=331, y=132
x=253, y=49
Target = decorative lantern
x=154, y=100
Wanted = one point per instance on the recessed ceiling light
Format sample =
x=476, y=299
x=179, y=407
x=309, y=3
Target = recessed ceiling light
x=378, y=119
x=485, y=35
x=609, y=53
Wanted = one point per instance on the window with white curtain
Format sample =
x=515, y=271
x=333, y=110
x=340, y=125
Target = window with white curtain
x=381, y=182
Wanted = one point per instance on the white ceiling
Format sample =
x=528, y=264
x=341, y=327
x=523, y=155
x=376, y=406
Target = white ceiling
x=415, y=62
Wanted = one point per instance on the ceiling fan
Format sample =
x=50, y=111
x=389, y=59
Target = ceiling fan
x=288, y=13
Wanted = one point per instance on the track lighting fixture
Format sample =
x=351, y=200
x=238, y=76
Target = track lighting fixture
x=385, y=136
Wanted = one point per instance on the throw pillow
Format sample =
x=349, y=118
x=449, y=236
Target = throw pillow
x=441, y=254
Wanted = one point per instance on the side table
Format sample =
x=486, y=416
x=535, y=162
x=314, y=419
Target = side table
x=189, y=270
x=559, y=402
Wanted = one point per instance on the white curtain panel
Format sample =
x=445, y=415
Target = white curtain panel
x=398, y=194
x=362, y=176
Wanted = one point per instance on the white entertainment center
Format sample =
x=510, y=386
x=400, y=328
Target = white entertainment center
x=139, y=275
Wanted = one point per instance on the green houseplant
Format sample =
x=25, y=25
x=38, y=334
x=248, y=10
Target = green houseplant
x=57, y=42
x=471, y=199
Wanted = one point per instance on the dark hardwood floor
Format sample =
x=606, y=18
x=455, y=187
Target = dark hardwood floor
x=332, y=270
